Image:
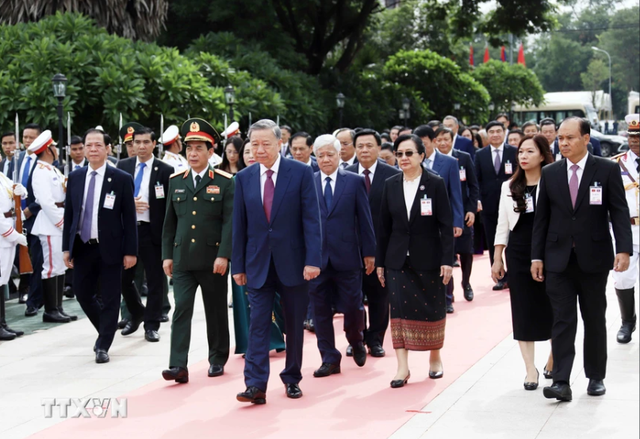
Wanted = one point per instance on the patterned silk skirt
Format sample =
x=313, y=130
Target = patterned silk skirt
x=418, y=308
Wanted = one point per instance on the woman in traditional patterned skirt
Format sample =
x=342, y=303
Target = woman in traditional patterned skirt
x=415, y=246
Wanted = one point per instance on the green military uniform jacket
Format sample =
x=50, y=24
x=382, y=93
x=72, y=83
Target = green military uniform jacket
x=197, y=225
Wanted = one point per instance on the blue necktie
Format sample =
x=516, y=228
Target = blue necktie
x=25, y=179
x=328, y=193
x=138, y=181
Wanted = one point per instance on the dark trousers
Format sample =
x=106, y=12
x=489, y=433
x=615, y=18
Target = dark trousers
x=151, y=257
x=589, y=288
x=466, y=263
x=378, y=298
x=34, y=298
x=214, y=296
x=490, y=223
x=294, y=302
x=88, y=268
x=344, y=289
x=68, y=278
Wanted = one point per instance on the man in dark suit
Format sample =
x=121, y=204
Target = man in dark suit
x=151, y=186
x=348, y=155
x=550, y=132
x=460, y=143
x=276, y=247
x=375, y=172
x=343, y=206
x=494, y=165
x=578, y=197
x=99, y=237
x=470, y=193
x=8, y=149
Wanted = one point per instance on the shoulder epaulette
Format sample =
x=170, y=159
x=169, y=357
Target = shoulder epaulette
x=223, y=173
x=178, y=173
x=42, y=165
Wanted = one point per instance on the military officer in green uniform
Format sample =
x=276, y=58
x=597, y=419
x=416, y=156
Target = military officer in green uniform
x=196, y=247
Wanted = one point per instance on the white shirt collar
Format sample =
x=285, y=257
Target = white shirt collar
x=81, y=164
x=632, y=155
x=274, y=168
x=500, y=148
x=582, y=163
x=372, y=168
x=309, y=162
x=350, y=161
x=450, y=153
x=432, y=157
x=147, y=163
x=333, y=176
x=101, y=170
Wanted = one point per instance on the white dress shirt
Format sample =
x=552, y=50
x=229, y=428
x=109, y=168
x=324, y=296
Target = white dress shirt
x=75, y=165
x=348, y=162
x=372, y=170
x=97, y=190
x=333, y=178
x=201, y=174
x=24, y=163
x=144, y=186
x=494, y=151
x=263, y=175
x=410, y=189
x=582, y=163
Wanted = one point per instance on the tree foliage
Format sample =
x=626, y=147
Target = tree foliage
x=592, y=79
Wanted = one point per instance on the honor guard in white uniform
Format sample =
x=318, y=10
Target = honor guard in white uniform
x=9, y=239
x=49, y=188
x=625, y=281
x=172, y=148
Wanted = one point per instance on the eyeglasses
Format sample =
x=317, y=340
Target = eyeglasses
x=409, y=153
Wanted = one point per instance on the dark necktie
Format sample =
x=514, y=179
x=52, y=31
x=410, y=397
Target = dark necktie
x=198, y=180
x=85, y=231
x=638, y=165
x=344, y=165
x=367, y=181
x=25, y=179
x=267, y=199
x=328, y=193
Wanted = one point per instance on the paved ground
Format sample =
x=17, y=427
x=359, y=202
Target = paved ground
x=488, y=400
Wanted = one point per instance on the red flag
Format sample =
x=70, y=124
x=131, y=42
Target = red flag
x=521, y=55
x=486, y=54
x=471, y=55
x=503, y=54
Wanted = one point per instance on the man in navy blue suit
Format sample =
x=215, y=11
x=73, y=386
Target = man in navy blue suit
x=459, y=142
x=99, y=237
x=301, y=146
x=447, y=168
x=276, y=247
x=343, y=205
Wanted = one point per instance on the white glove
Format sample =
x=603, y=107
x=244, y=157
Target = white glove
x=21, y=239
x=24, y=218
x=21, y=191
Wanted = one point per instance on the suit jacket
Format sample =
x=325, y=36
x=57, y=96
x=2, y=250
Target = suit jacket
x=428, y=239
x=489, y=182
x=197, y=226
x=469, y=186
x=117, y=230
x=507, y=217
x=292, y=237
x=33, y=207
x=349, y=211
x=9, y=172
x=314, y=164
x=466, y=145
x=160, y=173
x=558, y=226
x=383, y=171
x=447, y=168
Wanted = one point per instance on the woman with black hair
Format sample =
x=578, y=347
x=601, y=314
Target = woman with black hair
x=231, y=159
x=531, y=312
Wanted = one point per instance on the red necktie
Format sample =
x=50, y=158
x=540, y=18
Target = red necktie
x=367, y=182
x=267, y=199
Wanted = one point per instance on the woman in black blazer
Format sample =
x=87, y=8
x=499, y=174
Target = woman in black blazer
x=415, y=245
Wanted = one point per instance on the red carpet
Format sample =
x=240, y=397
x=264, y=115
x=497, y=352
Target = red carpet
x=356, y=403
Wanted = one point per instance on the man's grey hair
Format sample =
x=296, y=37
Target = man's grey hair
x=326, y=140
x=340, y=130
x=266, y=124
x=453, y=118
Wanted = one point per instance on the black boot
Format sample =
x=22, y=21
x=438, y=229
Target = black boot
x=5, y=334
x=59, y=294
x=626, y=301
x=51, y=313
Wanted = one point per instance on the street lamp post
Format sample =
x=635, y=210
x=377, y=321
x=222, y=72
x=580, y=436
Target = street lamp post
x=230, y=98
x=340, y=98
x=608, y=56
x=59, y=91
x=406, y=105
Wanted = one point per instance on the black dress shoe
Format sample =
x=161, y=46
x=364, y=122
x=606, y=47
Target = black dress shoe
x=216, y=370
x=177, y=374
x=15, y=331
x=22, y=297
x=68, y=292
x=349, y=351
x=293, y=391
x=400, y=383
x=164, y=318
x=6, y=335
x=376, y=351
x=596, y=388
x=131, y=327
x=311, y=326
x=528, y=385
x=31, y=311
x=151, y=335
x=501, y=285
x=359, y=355
x=456, y=263
x=72, y=318
x=122, y=323
x=560, y=391
x=102, y=356
x=624, y=334
x=54, y=316
x=468, y=293
x=436, y=375
x=449, y=309
x=326, y=369
x=252, y=395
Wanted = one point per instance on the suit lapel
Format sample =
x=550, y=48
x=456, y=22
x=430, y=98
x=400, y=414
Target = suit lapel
x=106, y=185
x=587, y=175
x=207, y=178
x=339, y=189
x=254, y=185
x=420, y=193
x=79, y=194
x=153, y=178
x=437, y=163
x=319, y=187
x=282, y=181
x=189, y=181
x=563, y=184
